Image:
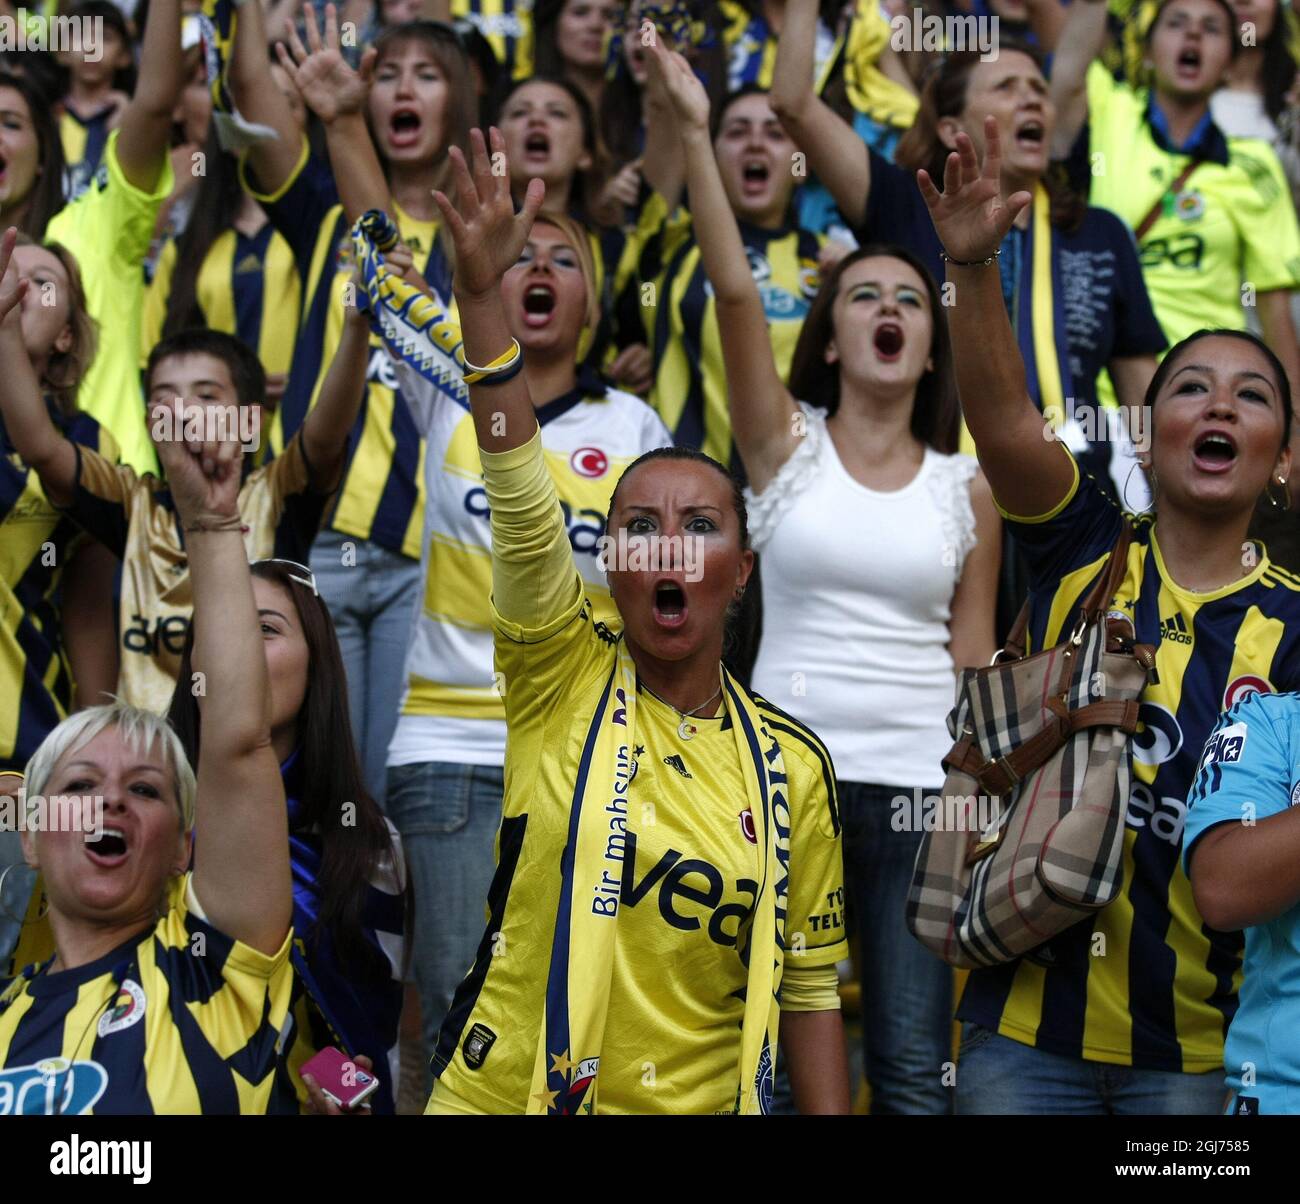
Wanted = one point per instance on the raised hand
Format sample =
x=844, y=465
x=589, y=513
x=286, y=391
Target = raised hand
x=328, y=85
x=487, y=233
x=203, y=474
x=672, y=73
x=970, y=216
x=12, y=288
x=623, y=188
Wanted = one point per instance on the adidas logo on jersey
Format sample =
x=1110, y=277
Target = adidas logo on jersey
x=249, y=264
x=1175, y=629
x=678, y=764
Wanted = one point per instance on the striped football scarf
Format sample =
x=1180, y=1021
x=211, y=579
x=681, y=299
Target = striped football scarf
x=565, y=1071
x=416, y=328
x=217, y=26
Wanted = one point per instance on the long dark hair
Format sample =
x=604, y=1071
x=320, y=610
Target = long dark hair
x=1278, y=71
x=936, y=415
x=328, y=767
x=943, y=95
x=217, y=202
x=47, y=189
x=448, y=51
x=547, y=59
x=586, y=184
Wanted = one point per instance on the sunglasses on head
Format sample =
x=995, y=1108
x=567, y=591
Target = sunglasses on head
x=298, y=572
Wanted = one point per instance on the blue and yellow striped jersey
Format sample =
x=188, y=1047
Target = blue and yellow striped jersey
x=179, y=1019
x=83, y=142
x=662, y=273
x=1145, y=984
x=507, y=25
x=749, y=43
x=247, y=286
x=36, y=543
x=382, y=494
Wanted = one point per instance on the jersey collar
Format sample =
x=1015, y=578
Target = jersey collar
x=587, y=385
x=1209, y=595
x=118, y=961
x=1206, y=141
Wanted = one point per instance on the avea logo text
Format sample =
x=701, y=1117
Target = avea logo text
x=585, y=527
x=687, y=905
x=54, y=1087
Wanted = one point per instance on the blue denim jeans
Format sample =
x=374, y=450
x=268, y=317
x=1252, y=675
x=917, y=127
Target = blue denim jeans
x=997, y=1076
x=907, y=1002
x=372, y=598
x=448, y=815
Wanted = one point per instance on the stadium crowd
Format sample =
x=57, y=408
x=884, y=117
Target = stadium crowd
x=358, y=364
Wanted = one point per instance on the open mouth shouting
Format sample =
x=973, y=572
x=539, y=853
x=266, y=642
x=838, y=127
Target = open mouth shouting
x=539, y=304
x=1188, y=66
x=404, y=128
x=670, y=607
x=1214, y=451
x=1030, y=134
x=537, y=147
x=888, y=342
x=754, y=176
x=110, y=850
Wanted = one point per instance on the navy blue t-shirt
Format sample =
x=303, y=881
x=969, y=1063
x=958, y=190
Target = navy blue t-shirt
x=1107, y=311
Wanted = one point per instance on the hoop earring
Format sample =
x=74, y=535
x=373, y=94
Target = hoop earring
x=1285, y=504
x=1123, y=493
x=9, y=915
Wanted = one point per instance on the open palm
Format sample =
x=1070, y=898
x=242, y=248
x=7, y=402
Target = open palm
x=970, y=216
x=680, y=84
x=328, y=85
x=488, y=234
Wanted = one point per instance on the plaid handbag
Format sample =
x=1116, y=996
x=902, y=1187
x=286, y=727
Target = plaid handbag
x=1030, y=834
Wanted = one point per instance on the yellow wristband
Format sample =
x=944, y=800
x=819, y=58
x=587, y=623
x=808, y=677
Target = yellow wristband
x=503, y=362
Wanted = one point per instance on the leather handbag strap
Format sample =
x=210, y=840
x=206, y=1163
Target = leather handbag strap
x=1093, y=605
x=1002, y=774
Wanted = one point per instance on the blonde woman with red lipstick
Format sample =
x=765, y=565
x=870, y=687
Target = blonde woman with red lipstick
x=880, y=558
x=667, y=900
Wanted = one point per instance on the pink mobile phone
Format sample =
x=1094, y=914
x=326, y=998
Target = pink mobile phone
x=340, y=1078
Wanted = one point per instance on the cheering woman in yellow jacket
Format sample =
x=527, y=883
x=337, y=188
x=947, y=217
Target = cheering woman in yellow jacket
x=669, y=881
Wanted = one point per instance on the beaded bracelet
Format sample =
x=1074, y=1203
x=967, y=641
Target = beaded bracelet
x=970, y=263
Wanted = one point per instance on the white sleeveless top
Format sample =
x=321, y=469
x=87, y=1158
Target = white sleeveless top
x=857, y=595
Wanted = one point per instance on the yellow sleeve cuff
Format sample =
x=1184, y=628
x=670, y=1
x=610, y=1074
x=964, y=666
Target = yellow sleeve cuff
x=810, y=989
x=269, y=198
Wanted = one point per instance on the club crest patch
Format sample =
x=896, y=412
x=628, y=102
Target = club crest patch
x=128, y=1009
x=478, y=1045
